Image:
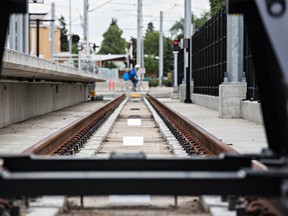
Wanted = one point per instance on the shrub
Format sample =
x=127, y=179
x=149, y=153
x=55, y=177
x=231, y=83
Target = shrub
x=167, y=83
x=153, y=83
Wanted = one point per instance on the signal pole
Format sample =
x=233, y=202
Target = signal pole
x=52, y=32
x=139, y=33
x=187, y=49
x=161, y=50
x=85, y=31
x=70, y=34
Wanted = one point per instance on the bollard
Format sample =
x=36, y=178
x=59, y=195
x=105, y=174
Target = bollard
x=82, y=201
x=175, y=201
x=109, y=84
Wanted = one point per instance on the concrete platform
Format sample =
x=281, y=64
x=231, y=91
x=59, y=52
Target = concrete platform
x=19, y=65
x=243, y=135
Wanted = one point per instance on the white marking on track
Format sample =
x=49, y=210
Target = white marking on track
x=134, y=122
x=133, y=141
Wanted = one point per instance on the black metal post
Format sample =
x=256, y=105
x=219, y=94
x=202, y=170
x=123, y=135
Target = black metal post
x=37, y=37
x=38, y=30
x=188, y=83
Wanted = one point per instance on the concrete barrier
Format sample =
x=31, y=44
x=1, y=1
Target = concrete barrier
x=208, y=101
x=21, y=101
x=251, y=110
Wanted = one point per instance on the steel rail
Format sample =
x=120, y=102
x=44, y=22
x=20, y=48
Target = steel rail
x=60, y=142
x=201, y=141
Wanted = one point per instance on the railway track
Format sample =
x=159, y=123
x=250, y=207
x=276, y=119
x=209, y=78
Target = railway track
x=193, y=139
x=136, y=128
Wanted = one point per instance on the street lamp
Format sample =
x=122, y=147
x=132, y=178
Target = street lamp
x=38, y=30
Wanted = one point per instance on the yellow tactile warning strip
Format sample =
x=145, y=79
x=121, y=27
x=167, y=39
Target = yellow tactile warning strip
x=135, y=95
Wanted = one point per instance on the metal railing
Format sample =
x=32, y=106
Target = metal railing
x=249, y=69
x=209, y=55
x=209, y=58
x=180, y=66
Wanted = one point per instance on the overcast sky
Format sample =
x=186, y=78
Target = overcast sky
x=125, y=11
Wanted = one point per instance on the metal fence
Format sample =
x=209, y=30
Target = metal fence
x=209, y=55
x=209, y=58
x=180, y=66
x=252, y=87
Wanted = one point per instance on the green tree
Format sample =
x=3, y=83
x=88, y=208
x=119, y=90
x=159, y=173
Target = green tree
x=63, y=37
x=133, y=43
x=112, y=40
x=168, y=56
x=150, y=27
x=178, y=28
x=151, y=43
x=62, y=22
x=151, y=50
x=200, y=21
x=216, y=5
x=151, y=66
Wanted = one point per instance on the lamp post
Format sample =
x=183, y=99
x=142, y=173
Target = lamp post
x=38, y=31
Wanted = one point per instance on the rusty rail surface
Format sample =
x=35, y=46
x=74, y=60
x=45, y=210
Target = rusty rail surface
x=201, y=141
x=60, y=141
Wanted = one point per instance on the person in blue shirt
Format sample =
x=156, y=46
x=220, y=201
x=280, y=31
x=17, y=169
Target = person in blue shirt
x=133, y=76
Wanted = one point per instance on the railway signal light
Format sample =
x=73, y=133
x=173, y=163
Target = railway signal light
x=75, y=38
x=63, y=38
x=176, y=45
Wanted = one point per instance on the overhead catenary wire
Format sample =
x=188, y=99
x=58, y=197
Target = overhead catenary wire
x=159, y=15
x=100, y=6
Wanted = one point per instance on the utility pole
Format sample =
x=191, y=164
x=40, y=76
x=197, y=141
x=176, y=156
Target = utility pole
x=187, y=49
x=85, y=32
x=52, y=30
x=139, y=33
x=161, y=50
x=70, y=34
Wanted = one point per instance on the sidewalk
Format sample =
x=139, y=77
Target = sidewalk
x=243, y=135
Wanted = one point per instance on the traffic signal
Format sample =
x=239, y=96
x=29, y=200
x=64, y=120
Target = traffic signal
x=75, y=38
x=63, y=38
x=176, y=45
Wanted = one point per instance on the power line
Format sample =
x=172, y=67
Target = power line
x=123, y=4
x=100, y=5
x=159, y=16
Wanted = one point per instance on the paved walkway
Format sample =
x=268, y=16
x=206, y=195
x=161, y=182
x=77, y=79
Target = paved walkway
x=243, y=135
